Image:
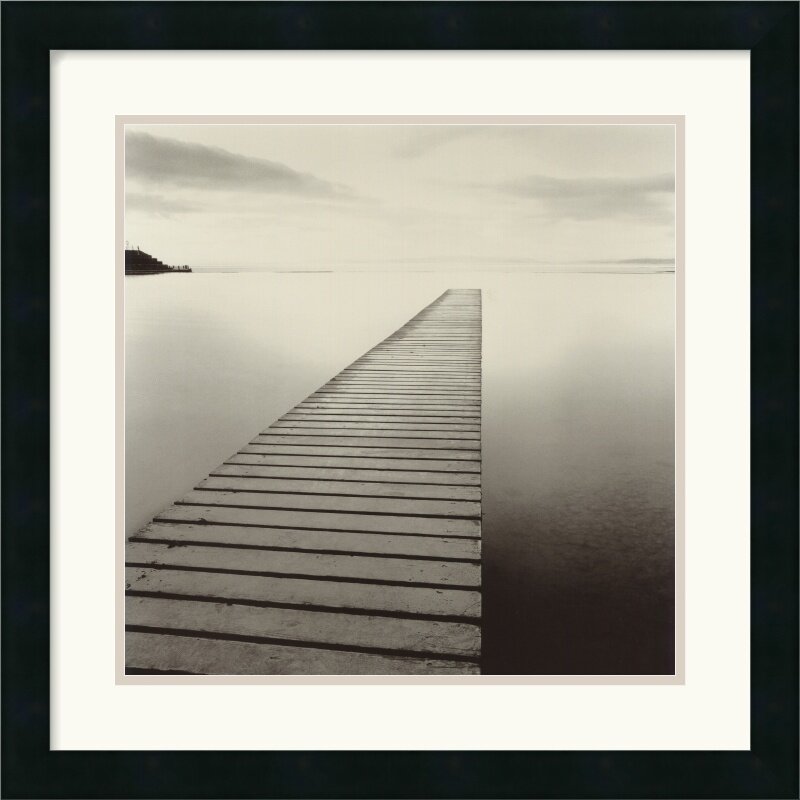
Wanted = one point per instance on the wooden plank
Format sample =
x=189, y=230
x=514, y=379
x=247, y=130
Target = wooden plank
x=395, y=375
x=397, y=340
x=441, y=398
x=444, y=421
x=444, y=327
x=387, y=427
x=423, y=359
x=268, y=518
x=448, y=325
x=151, y=651
x=413, y=381
x=414, y=359
x=365, y=430
x=368, y=430
x=470, y=408
x=399, y=398
x=422, y=393
x=394, y=379
x=392, y=365
x=392, y=362
x=401, y=386
x=356, y=488
x=410, y=375
x=469, y=349
x=315, y=627
x=391, y=403
x=451, y=347
x=337, y=410
x=397, y=368
x=413, y=362
x=378, y=544
x=404, y=385
x=353, y=400
x=355, y=422
x=445, y=352
x=443, y=403
x=405, y=389
x=330, y=595
x=358, y=439
x=388, y=477
x=417, y=453
x=334, y=503
x=342, y=462
x=373, y=569
x=340, y=405
x=444, y=359
x=416, y=379
x=402, y=389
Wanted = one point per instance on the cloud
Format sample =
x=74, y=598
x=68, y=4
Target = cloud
x=422, y=143
x=156, y=204
x=159, y=160
x=646, y=262
x=648, y=197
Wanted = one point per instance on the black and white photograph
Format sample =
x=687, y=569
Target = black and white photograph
x=402, y=398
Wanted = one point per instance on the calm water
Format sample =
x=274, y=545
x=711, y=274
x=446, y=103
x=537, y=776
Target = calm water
x=578, y=404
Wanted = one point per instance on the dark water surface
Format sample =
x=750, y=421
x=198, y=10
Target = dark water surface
x=578, y=405
x=578, y=476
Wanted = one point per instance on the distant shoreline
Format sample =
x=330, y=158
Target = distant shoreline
x=433, y=271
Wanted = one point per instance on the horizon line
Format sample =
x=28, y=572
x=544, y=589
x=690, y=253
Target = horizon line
x=565, y=270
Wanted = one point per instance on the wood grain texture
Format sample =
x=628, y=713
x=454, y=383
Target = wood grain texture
x=343, y=461
x=274, y=518
x=309, y=594
x=363, y=427
x=378, y=506
x=344, y=566
x=284, y=625
x=327, y=473
x=164, y=653
x=380, y=544
x=348, y=488
x=432, y=454
x=364, y=439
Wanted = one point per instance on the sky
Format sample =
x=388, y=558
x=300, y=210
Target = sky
x=378, y=197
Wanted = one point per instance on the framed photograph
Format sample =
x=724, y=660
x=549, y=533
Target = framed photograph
x=422, y=387
x=365, y=529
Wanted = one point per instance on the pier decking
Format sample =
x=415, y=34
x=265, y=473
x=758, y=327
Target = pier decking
x=344, y=538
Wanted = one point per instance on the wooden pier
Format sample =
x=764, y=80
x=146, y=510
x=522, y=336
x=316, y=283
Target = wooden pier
x=343, y=539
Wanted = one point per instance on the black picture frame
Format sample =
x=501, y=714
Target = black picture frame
x=769, y=30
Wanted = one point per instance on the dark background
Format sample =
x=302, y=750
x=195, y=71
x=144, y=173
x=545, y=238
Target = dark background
x=30, y=30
